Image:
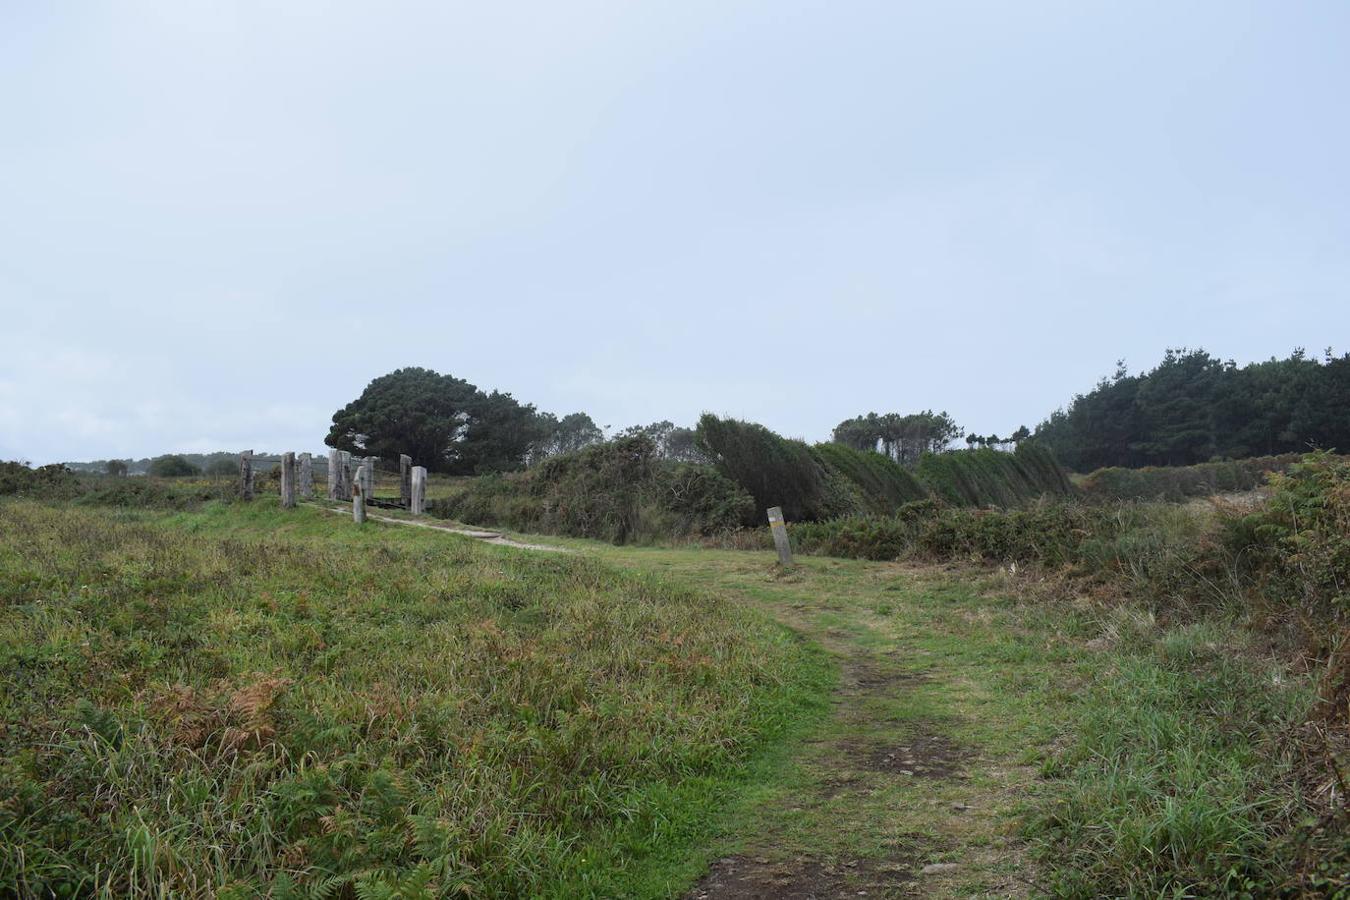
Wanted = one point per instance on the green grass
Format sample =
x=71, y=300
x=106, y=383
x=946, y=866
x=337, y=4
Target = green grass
x=234, y=700
x=1176, y=781
x=239, y=700
x=1110, y=753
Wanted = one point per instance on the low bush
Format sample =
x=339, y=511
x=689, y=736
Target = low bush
x=172, y=466
x=1298, y=543
x=617, y=491
x=1182, y=482
x=145, y=493
x=45, y=482
x=1289, y=557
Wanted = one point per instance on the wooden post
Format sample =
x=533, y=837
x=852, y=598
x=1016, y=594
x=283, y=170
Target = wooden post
x=405, y=480
x=344, y=475
x=246, y=475
x=417, y=500
x=780, y=535
x=288, y=480
x=334, y=478
x=306, y=477
x=358, y=502
x=368, y=475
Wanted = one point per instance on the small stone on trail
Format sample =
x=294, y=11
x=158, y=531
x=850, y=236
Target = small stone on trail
x=961, y=807
x=938, y=868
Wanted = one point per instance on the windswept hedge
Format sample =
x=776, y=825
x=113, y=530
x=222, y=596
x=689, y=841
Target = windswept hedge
x=986, y=477
x=882, y=484
x=1183, y=482
x=831, y=480
x=774, y=470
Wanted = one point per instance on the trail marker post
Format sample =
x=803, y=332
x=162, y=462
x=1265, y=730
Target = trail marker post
x=780, y=535
x=344, y=475
x=306, y=477
x=405, y=480
x=417, y=502
x=358, y=502
x=288, y=480
x=368, y=475
x=334, y=476
x=246, y=475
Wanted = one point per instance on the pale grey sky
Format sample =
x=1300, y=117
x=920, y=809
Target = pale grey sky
x=221, y=220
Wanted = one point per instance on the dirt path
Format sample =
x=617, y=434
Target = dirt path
x=487, y=537
x=913, y=785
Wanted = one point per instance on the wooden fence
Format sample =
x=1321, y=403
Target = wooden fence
x=350, y=478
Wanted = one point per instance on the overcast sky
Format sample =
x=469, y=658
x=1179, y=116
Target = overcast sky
x=219, y=221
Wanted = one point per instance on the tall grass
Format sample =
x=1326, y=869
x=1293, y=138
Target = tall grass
x=1178, y=780
x=240, y=701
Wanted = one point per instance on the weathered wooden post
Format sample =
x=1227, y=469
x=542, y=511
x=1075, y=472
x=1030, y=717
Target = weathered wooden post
x=780, y=535
x=345, y=473
x=358, y=502
x=306, y=477
x=417, y=500
x=288, y=480
x=405, y=480
x=368, y=475
x=334, y=478
x=246, y=475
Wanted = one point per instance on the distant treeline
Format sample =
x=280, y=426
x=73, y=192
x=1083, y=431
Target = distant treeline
x=1193, y=408
x=221, y=463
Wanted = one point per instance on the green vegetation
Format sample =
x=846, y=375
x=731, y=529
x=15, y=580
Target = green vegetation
x=882, y=484
x=1135, y=753
x=775, y=471
x=1182, y=482
x=1179, y=778
x=1192, y=408
x=617, y=491
x=902, y=438
x=985, y=477
x=1288, y=554
x=55, y=481
x=240, y=701
x=831, y=480
x=172, y=466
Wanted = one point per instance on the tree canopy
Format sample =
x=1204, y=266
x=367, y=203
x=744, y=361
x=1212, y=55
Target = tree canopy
x=442, y=422
x=904, y=438
x=172, y=466
x=1192, y=408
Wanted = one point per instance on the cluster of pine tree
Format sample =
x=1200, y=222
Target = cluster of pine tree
x=1193, y=408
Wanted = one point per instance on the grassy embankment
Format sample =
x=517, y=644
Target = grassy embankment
x=236, y=700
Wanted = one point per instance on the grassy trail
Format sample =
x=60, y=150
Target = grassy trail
x=946, y=702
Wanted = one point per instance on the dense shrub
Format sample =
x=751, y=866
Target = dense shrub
x=172, y=466
x=883, y=485
x=1181, y=482
x=1299, y=541
x=1288, y=559
x=987, y=477
x=701, y=499
x=617, y=491
x=146, y=494
x=775, y=471
x=50, y=482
